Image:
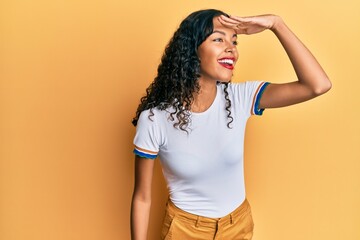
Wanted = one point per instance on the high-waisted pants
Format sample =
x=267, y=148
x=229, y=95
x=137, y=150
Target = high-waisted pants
x=181, y=225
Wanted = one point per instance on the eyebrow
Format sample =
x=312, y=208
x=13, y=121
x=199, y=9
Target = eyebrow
x=223, y=33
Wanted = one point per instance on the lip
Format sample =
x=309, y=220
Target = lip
x=231, y=67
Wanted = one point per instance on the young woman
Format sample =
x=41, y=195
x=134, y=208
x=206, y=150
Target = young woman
x=194, y=119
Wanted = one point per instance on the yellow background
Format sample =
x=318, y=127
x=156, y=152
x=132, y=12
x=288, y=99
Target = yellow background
x=72, y=74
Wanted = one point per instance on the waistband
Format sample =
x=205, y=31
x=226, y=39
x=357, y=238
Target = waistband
x=206, y=221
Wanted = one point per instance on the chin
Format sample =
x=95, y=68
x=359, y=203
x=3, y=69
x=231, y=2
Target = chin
x=226, y=80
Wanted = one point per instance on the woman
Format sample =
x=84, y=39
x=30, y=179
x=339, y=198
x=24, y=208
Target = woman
x=194, y=119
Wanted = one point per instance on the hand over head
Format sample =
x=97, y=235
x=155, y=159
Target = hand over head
x=249, y=25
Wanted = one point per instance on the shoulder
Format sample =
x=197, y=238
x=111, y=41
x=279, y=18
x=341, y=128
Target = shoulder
x=149, y=114
x=244, y=86
x=233, y=88
x=153, y=116
x=233, y=85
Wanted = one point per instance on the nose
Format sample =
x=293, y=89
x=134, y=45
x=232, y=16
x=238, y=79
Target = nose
x=230, y=48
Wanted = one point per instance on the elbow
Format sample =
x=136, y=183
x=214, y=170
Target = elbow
x=322, y=88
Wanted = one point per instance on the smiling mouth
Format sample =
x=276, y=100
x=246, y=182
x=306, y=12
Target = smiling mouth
x=227, y=63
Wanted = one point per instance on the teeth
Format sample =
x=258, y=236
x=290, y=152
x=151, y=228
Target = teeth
x=227, y=61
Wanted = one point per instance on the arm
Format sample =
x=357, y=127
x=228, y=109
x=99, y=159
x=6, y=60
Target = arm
x=141, y=200
x=312, y=80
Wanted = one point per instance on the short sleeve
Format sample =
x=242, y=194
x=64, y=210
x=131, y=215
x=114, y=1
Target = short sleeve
x=249, y=94
x=147, y=138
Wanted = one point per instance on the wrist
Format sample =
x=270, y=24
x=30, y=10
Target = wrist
x=277, y=23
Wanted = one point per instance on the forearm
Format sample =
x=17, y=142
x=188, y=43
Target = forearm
x=140, y=213
x=307, y=68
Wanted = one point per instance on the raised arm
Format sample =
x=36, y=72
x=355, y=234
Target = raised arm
x=312, y=80
x=141, y=200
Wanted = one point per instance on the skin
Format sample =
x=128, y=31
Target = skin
x=312, y=82
x=312, y=79
x=220, y=44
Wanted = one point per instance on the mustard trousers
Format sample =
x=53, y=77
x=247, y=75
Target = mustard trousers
x=181, y=225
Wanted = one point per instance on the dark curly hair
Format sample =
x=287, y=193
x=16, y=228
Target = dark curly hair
x=179, y=71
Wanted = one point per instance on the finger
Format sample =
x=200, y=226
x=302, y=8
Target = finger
x=234, y=26
x=245, y=31
x=236, y=23
x=242, y=31
x=227, y=20
x=240, y=28
x=228, y=25
x=241, y=19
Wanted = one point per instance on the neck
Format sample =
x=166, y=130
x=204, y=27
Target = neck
x=205, y=97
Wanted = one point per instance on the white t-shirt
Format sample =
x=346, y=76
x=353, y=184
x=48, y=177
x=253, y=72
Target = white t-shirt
x=203, y=167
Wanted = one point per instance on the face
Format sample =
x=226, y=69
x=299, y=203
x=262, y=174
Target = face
x=218, y=54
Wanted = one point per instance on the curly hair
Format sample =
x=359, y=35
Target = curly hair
x=179, y=71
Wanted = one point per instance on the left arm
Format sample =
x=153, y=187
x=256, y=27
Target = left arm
x=312, y=80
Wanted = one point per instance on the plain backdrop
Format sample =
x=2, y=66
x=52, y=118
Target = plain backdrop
x=71, y=76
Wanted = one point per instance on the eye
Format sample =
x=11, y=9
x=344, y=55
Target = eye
x=218, y=40
x=235, y=43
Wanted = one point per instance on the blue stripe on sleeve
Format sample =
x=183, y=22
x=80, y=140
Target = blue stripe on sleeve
x=144, y=155
x=258, y=111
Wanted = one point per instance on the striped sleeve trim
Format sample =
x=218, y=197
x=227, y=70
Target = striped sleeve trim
x=144, y=153
x=256, y=101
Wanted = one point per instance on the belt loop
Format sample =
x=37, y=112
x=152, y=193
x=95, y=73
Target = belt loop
x=197, y=221
x=231, y=219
